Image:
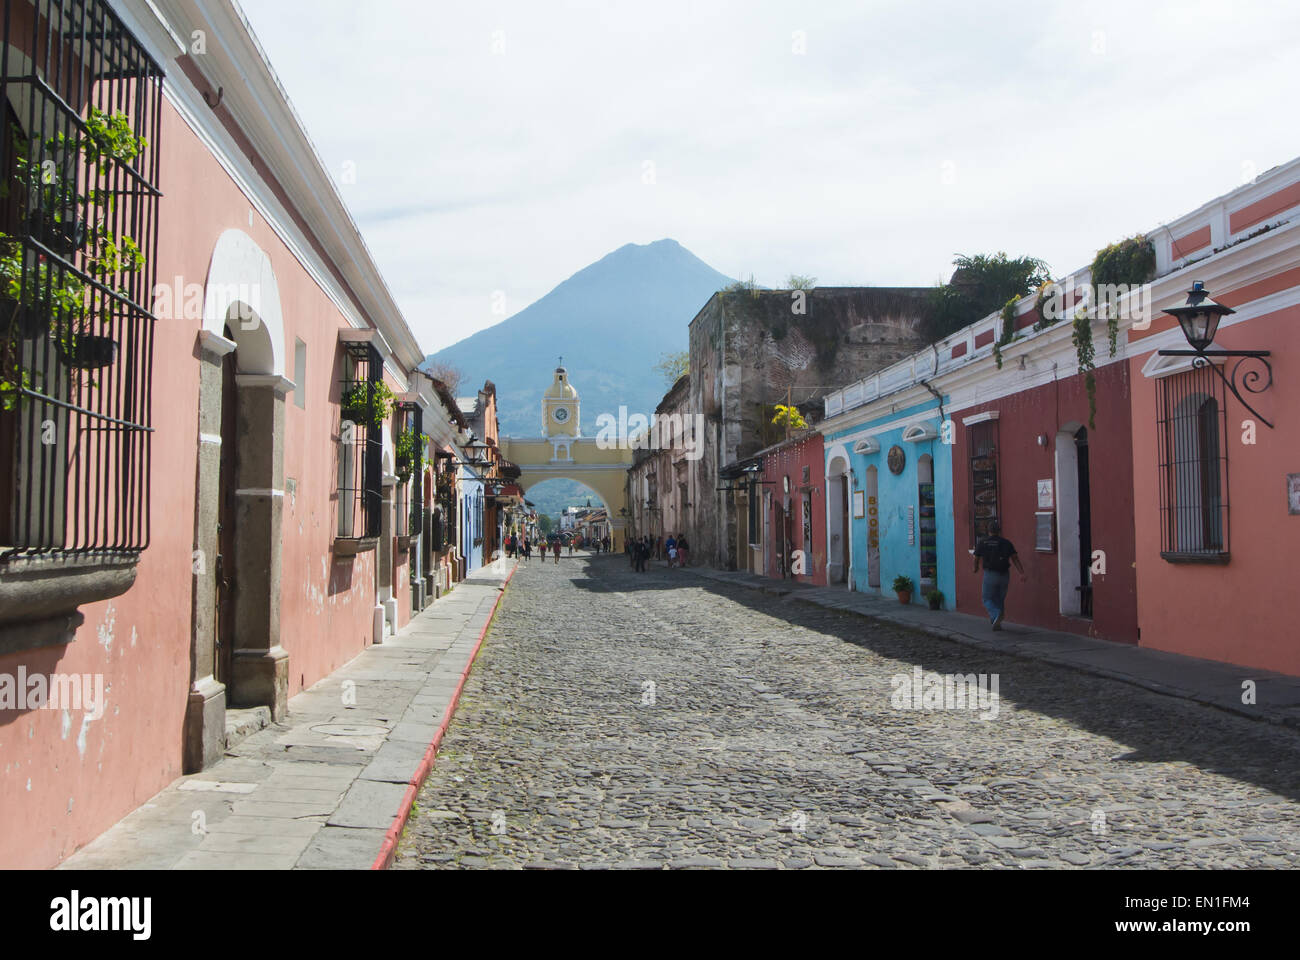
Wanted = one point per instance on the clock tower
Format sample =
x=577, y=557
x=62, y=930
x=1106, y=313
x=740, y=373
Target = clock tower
x=560, y=406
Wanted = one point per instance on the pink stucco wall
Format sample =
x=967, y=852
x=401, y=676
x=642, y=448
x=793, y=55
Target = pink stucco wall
x=1243, y=612
x=65, y=779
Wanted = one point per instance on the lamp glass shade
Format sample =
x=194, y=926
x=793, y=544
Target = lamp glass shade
x=1199, y=327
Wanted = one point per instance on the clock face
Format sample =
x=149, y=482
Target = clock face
x=560, y=414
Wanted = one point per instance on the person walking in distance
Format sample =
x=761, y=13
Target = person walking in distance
x=997, y=554
x=555, y=549
x=682, y=549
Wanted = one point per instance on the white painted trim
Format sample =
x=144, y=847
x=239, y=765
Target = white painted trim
x=281, y=385
x=919, y=432
x=215, y=343
x=840, y=451
x=167, y=27
x=979, y=418
x=255, y=96
x=211, y=438
x=876, y=430
x=240, y=272
x=867, y=446
x=259, y=492
x=1049, y=354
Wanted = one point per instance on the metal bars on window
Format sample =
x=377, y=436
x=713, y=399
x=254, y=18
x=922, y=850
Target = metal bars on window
x=78, y=250
x=361, y=443
x=410, y=457
x=983, y=477
x=1191, y=417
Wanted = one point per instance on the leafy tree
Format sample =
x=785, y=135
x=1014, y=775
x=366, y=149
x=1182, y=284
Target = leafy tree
x=673, y=365
x=981, y=284
x=545, y=524
x=797, y=281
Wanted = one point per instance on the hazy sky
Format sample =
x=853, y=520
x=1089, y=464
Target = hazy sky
x=500, y=147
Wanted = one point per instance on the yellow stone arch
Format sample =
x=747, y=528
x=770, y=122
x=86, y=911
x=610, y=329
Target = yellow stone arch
x=600, y=466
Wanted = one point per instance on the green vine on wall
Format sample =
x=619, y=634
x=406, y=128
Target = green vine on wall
x=1128, y=263
x=369, y=404
x=40, y=298
x=1046, y=292
x=1008, y=329
x=409, y=454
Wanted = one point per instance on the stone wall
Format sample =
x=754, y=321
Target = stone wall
x=750, y=350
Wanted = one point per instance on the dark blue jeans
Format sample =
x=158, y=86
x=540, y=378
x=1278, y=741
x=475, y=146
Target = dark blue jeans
x=995, y=592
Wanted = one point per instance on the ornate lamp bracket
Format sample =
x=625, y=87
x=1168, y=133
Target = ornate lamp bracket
x=1256, y=377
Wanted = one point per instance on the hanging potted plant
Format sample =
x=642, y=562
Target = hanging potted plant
x=409, y=454
x=61, y=232
x=367, y=403
x=37, y=294
x=903, y=586
x=935, y=597
x=18, y=294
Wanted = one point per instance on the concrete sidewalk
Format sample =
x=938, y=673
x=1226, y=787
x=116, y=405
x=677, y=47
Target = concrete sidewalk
x=1277, y=696
x=322, y=789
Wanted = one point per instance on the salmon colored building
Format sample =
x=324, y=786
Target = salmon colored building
x=780, y=499
x=214, y=496
x=1217, y=489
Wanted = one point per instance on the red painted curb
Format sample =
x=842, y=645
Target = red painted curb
x=385, y=858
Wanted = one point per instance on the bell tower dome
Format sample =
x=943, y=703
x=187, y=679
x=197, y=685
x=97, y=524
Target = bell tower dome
x=560, y=406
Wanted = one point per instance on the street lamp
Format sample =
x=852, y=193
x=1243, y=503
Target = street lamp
x=1199, y=319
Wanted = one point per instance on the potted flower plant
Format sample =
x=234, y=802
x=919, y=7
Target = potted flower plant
x=409, y=455
x=903, y=586
x=369, y=404
x=936, y=599
x=18, y=294
x=39, y=294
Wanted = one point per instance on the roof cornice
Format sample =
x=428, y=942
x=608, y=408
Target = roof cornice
x=252, y=94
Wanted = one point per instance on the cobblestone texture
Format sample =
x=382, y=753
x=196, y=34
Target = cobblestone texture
x=771, y=742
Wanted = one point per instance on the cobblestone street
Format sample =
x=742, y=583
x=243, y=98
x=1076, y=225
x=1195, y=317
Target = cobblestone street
x=661, y=720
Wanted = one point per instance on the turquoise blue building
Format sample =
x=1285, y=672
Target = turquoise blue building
x=894, y=473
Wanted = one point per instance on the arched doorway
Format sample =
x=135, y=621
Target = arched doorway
x=236, y=657
x=838, y=551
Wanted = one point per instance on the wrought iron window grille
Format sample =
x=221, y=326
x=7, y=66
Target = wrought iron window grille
x=1191, y=419
x=361, y=447
x=78, y=252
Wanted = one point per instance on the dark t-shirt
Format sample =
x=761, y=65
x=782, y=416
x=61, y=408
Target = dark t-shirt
x=996, y=552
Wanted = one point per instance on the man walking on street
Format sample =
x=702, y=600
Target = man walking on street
x=997, y=555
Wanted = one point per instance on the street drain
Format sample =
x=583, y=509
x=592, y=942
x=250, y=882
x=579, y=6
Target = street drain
x=349, y=729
